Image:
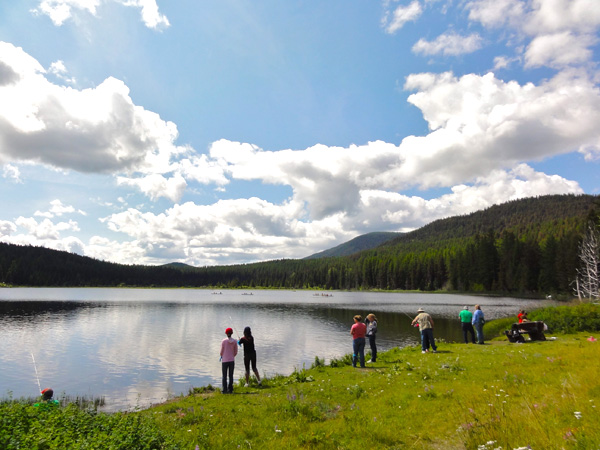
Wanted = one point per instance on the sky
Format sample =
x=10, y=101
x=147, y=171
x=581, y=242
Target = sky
x=221, y=132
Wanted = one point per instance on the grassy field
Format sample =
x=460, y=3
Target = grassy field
x=538, y=395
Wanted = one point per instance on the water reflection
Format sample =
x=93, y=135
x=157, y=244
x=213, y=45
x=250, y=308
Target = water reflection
x=137, y=347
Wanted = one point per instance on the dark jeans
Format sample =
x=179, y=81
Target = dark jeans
x=373, y=347
x=358, y=346
x=467, y=327
x=427, y=339
x=228, y=368
x=479, y=329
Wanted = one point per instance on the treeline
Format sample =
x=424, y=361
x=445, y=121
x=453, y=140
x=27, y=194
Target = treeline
x=525, y=246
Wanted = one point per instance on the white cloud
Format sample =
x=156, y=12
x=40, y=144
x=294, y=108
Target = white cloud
x=481, y=123
x=497, y=13
x=449, y=44
x=561, y=31
x=503, y=62
x=57, y=209
x=59, y=69
x=92, y=130
x=46, y=229
x=478, y=124
x=11, y=172
x=559, y=50
x=59, y=11
x=401, y=15
x=151, y=17
x=156, y=186
x=552, y=16
x=7, y=228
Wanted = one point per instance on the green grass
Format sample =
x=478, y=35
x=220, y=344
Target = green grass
x=544, y=395
x=463, y=397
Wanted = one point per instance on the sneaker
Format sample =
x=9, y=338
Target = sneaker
x=260, y=382
x=424, y=351
x=435, y=351
x=246, y=385
x=369, y=361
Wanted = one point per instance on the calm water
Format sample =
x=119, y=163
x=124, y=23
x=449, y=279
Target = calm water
x=136, y=347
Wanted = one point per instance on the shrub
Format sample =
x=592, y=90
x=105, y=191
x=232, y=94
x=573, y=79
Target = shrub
x=560, y=319
x=569, y=319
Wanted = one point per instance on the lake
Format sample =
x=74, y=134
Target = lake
x=137, y=347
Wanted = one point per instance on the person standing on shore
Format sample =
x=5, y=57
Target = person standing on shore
x=247, y=340
x=371, y=322
x=466, y=317
x=229, y=350
x=478, y=321
x=426, y=327
x=358, y=332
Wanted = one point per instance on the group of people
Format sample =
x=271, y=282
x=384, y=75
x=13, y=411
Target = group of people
x=229, y=350
x=471, y=323
x=360, y=331
x=468, y=320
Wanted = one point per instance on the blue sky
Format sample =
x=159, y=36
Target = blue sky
x=223, y=132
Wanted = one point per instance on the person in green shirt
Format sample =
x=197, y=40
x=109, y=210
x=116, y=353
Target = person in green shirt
x=466, y=317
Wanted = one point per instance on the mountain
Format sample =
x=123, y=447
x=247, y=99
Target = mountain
x=523, y=247
x=359, y=243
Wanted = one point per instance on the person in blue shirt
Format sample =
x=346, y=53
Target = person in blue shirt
x=478, y=321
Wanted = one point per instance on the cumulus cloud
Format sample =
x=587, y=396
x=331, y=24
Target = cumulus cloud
x=559, y=50
x=561, y=31
x=96, y=130
x=57, y=209
x=449, y=44
x=478, y=124
x=59, y=11
x=215, y=234
x=401, y=15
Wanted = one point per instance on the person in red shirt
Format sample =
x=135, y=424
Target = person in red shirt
x=522, y=316
x=358, y=332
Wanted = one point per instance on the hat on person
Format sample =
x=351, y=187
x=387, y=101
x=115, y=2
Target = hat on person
x=47, y=393
x=229, y=331
x=466, y=307
x=420, y=310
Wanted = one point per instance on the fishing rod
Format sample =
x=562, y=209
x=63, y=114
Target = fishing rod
x=236, y=331
x=36, y=373
x=411, y=319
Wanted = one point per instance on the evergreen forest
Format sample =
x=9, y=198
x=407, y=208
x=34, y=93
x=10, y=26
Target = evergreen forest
x=526, y=247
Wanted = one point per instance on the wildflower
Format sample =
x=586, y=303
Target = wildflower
x=577, y=415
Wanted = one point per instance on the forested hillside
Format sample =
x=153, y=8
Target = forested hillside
x=525, y=246
x=359, y=243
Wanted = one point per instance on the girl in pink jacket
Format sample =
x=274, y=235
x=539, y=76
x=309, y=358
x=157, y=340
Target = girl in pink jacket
x=229, y=350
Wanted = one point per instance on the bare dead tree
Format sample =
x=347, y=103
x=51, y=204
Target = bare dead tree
x=588, y=277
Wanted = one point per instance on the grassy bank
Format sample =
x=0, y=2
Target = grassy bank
x=543, y=395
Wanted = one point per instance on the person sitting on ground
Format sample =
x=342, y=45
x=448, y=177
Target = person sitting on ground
x=522, y=316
